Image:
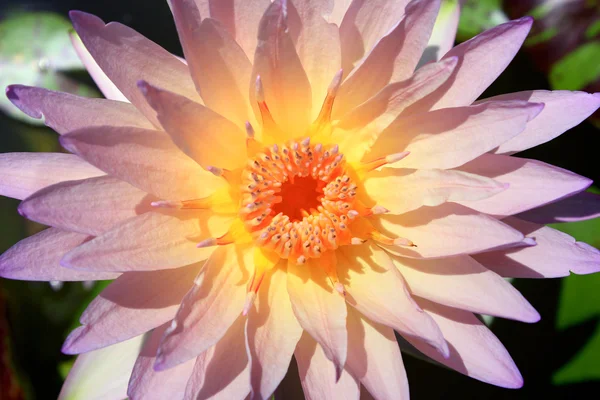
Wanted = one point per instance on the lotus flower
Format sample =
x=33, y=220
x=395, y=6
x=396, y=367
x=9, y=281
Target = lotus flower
x=314, y=177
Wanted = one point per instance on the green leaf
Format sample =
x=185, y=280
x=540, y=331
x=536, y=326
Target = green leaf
x=584, y=366
x=577, y=69
x=34, y=50
x=479, y=15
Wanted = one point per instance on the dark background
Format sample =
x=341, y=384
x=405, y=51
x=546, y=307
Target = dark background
x=37, y=318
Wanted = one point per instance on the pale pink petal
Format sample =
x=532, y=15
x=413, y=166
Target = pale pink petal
x=240, y=17
x=404, y=190
x=445, y=231
x=286, y=87
x=150, y=241
x=205, y=136
x=66, y=112
x=318, y=374
x=102, y=374
x=374, y=358
x=450, y=137
x=108, y=89
x=392, y=59
x=531, y=183
x=463, y=283
x=481, y=60
x=364, y=23
x=320, y=309
x=218, y=65
x=444, y=32
x=579, y=207
x=376, y=289
x=148, y=384
x=135, y=303
x=317, y=43
x=146, y=159
x=113, y=44
x=37, y=258
x=338, y=11
x=554, y=255
x=209, y=308
x=272, y=332
x=22, y=174
x=563, y=110
x=383, y=108
x=474, y=350
x=91, y=206
x=222, y=371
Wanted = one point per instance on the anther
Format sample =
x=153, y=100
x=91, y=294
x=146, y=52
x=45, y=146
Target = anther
x=249, y=130
x=207, y=243
x=377, y=210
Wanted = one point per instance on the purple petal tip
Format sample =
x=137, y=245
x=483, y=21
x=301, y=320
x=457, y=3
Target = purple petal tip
x=11, y=94
x=21, y=210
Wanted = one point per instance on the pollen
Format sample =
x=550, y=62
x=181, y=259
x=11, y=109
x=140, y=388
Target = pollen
x=297, y=199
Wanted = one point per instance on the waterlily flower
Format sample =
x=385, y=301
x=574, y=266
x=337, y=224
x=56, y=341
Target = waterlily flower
x=315, y=177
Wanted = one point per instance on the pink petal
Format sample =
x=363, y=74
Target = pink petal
x=444, y=32
x=319, y=375
x=392, y=59
x=108, y=89
x=240, y=17
x=579, y=207
x=376, y=289
x=563, y=110
x=37, y=258
x=91, y=206
x=445, y=231
x=113, y=44
x=22, y=174
x=481, y=60
x=383, y=108
x=151, y=241
x=554, y=255
x=474, y=350
x=286, y=87
x=320, y=310
x=339, y=10
x=208, y=309
x=102, y=374
x=146, y=159
x=531, y=183
x=146, y=383
x=272, y=332
x=65, y=112
x=222, y=371
x=218, y=65
x=205, y=136
x=461, y=282
x=417, y=188
x=134, y=303
x=364, y=23
x=317, y=43
x=451, y=137
x=374, y=358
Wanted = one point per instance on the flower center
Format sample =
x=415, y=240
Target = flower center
x=297, y=199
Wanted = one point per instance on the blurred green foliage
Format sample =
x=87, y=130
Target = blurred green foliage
x=35, y=50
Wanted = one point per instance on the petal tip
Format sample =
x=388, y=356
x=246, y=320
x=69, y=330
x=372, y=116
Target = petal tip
x=526, y=20
x=22, y=209
x=11, y=93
